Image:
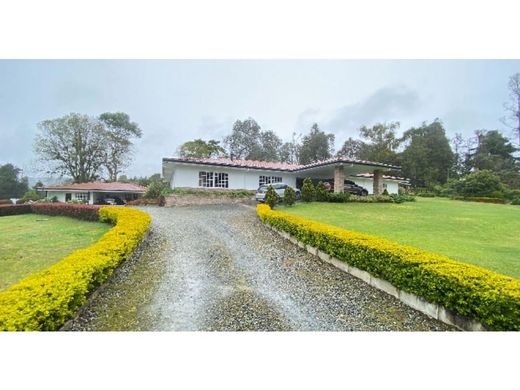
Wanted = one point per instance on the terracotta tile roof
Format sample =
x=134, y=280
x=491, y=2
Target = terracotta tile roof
x=275, y=165
x=237, y=163
x=99, y=186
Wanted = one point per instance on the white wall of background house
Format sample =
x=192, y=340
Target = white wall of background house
x=391, y=186
x=187, y=175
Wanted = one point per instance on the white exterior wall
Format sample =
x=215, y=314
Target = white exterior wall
x=391, y=186
x=239, y=178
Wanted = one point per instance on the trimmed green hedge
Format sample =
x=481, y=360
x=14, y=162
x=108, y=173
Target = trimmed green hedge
x=471, y=291
x=481, y=199
x=45, y=300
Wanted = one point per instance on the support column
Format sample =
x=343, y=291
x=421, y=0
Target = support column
x=378, y=182
x=339, y=179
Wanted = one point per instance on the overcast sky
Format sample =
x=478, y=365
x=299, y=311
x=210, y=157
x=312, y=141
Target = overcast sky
x=178, y=100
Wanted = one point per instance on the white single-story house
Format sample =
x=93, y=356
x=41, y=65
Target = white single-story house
x=94, y=192
x=225, y=173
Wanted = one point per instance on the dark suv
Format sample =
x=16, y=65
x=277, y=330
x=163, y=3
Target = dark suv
x=354, y=189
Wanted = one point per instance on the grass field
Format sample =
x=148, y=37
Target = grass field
x=487, y=235
x=31, y=243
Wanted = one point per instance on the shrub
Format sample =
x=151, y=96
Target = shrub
x=516, y=202
x=79, y=211
x=289, y=196
x=308, y=191
x=14, y=209
x=371, y=199
x=338, y=197
x=471, y=291
x=385, y=192
x=483, y=183
x=271, y=197
x=321, y=192
x=400, y=198
x=481, y=199
x=45, y=300
x=154, y=190
x=30, y=195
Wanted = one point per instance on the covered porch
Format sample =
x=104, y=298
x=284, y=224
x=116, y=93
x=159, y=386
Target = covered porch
x=337, y=171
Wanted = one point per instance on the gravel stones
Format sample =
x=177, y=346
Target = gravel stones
x=217, y=267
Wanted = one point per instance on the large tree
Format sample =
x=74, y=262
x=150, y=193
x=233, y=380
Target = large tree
x=83, y=147
x=244, y=140
x=247, y=141
x=12, y=185
x=351, y=148
x=380, y=143
x=316, y=146
x=119, y=132
x=290, y=150
x=202, y=149
x=493, y=151
x=427, y=157
x=513, y=106
x=74, y=145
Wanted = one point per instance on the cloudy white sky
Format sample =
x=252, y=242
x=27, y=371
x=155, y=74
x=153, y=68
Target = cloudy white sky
x=178, y=100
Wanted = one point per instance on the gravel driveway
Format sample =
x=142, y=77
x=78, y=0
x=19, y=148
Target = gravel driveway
x=218, y=268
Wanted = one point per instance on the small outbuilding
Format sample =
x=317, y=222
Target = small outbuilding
x=95, y=192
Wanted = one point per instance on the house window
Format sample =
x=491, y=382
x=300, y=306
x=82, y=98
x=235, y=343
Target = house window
x=205, y=179
x=269, y=180
x=213, y=179
x=221, y=180
x=83, y=196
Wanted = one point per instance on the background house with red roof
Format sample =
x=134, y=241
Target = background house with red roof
x=250, y=174
x=95, y=192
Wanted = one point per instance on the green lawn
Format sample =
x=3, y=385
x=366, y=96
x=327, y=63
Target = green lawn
x=32, y=242
x=483, y=234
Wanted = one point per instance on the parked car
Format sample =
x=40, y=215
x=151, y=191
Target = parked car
x=279, y=188
x=114, y=201
x=354, y=189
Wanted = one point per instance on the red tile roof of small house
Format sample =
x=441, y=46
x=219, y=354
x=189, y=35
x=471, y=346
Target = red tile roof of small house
x=97, y=186
x=276, y=166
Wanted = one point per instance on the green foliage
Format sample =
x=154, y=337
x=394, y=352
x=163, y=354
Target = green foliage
x=308, y=190
x=340, y=197
x=381, y=142
x=118, y=134
x=428, y=157
x=481, y=183
x=481, y=199
x=516, y=201
x=321, y=192
x=316, y=146
x=30, y=195
x=271, y=197
x=289, y=196
x=474, y=292
x=11, y=184
x=45, y=300
x=155, y=189
x=248, y=141
x=385, y=192
x=202, y=149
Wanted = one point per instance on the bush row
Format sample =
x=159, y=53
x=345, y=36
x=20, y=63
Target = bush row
x=45, y=300
x=481, y=199
x=471, y=291
x=345, y=197
x=14, y=209
x=79, y=211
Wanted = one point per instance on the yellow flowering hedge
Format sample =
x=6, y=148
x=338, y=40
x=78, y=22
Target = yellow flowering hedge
x=488, y=297
x=45, y=300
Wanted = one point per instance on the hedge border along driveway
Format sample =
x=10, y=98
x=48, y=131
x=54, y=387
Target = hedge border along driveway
x=471, y=291
x=45, y=300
